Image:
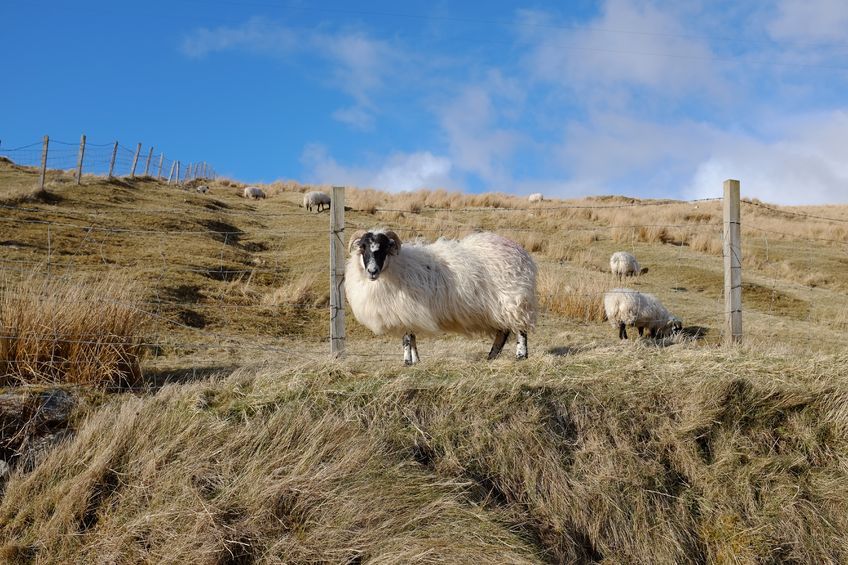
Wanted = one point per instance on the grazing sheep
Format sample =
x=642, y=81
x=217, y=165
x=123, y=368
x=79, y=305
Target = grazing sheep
x=624, y=264
x=482, y=284
x=253, y=192
x=536, y=197
x=628, y=307
x=203, y=189
x=317, y=199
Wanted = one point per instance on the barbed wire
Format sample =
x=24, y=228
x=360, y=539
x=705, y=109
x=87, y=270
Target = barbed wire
x=792, y=212
x=540, y=208
x=238, y=233
x=797, y=236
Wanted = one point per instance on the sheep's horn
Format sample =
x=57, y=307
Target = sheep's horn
x=394, y=237
x=354, y=240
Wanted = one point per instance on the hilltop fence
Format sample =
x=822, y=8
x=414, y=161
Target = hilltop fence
x=106, y=159
x=75, y=241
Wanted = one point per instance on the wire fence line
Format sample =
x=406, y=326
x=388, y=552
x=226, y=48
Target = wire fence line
x=173, y=311
x=104, y=159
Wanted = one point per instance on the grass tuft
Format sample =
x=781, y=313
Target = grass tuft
x=64, y=330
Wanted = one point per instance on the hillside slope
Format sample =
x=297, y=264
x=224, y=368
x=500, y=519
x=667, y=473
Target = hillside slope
x=651, y=457
x=241, y=442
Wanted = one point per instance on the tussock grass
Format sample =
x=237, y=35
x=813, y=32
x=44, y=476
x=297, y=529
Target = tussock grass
x=63, y=330
x=649, y=457
x=580, y=299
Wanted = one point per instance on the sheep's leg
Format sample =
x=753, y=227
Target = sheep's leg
x=622, y=331
x=413, y=345
x=410, y=350
x=521, y=349
x=642, y=331
x=500, y=340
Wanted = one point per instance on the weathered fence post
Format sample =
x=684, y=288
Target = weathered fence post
x=177, y=178
x=159, y=172
x=112, y=162
x=80, y=160
x=171, y=175
x=43, y=162
x=732, y=251
x=337, y=268
x=147, y=165
x=135, y=160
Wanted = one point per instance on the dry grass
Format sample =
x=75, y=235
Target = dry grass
x=299, y=291
x=71, y=331
x=653, y=457
x=577, y=296
x=593, y=450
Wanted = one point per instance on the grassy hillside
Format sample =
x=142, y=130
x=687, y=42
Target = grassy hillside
x=262, y=450
x=640, y=458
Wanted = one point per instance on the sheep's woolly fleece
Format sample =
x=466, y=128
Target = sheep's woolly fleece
x=478, y=285
x=623, y=263
x=637, y=309
x=315, y=198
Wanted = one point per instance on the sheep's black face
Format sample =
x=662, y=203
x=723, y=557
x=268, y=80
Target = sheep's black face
x=374, y=248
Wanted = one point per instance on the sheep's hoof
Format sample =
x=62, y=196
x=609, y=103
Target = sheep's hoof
x=407, y=362
x=521, y=357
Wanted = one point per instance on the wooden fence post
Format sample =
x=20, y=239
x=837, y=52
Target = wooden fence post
x=177, y=178
x=43, y=162
x=159, y=173
x=337, y=269
x=171, y=175
x=147, y=165
x=112, y=162
x=732, y=251
x=80, y=160
x=135, y=160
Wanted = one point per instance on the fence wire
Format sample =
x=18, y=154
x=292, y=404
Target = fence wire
x=101, y=158
x=573, y=279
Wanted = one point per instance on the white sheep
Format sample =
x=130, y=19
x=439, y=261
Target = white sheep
x=628, y=307
x=536, y=197
x=482, y=284
x=624, y=264
x=317, y=199
x=253, y=192
x=202, y=189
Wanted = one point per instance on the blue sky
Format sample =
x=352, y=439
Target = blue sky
x=644, y=98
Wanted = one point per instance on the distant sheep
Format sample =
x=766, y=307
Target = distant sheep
x=536, y=197
x=253, y=192
x=628, y=307
x=203, y=189
x=317, y=199
x=482, y=284
x=624, y=264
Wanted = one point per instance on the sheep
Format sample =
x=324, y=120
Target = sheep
x=624, y=264
x=315, y=198
x=203, y=189
x=482, y=284
x=536, y=197
x=628, y=307
x=253, y=192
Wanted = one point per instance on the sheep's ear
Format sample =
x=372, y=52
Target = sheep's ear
x=396, y=243
x=354, y=240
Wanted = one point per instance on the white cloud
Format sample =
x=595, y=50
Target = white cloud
x=356, y=117
x=395, y=173
x=256, y=35
x=476, y=142
x=805, y=165
x=358, y=63
x=631, y=43
x=810, y=20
